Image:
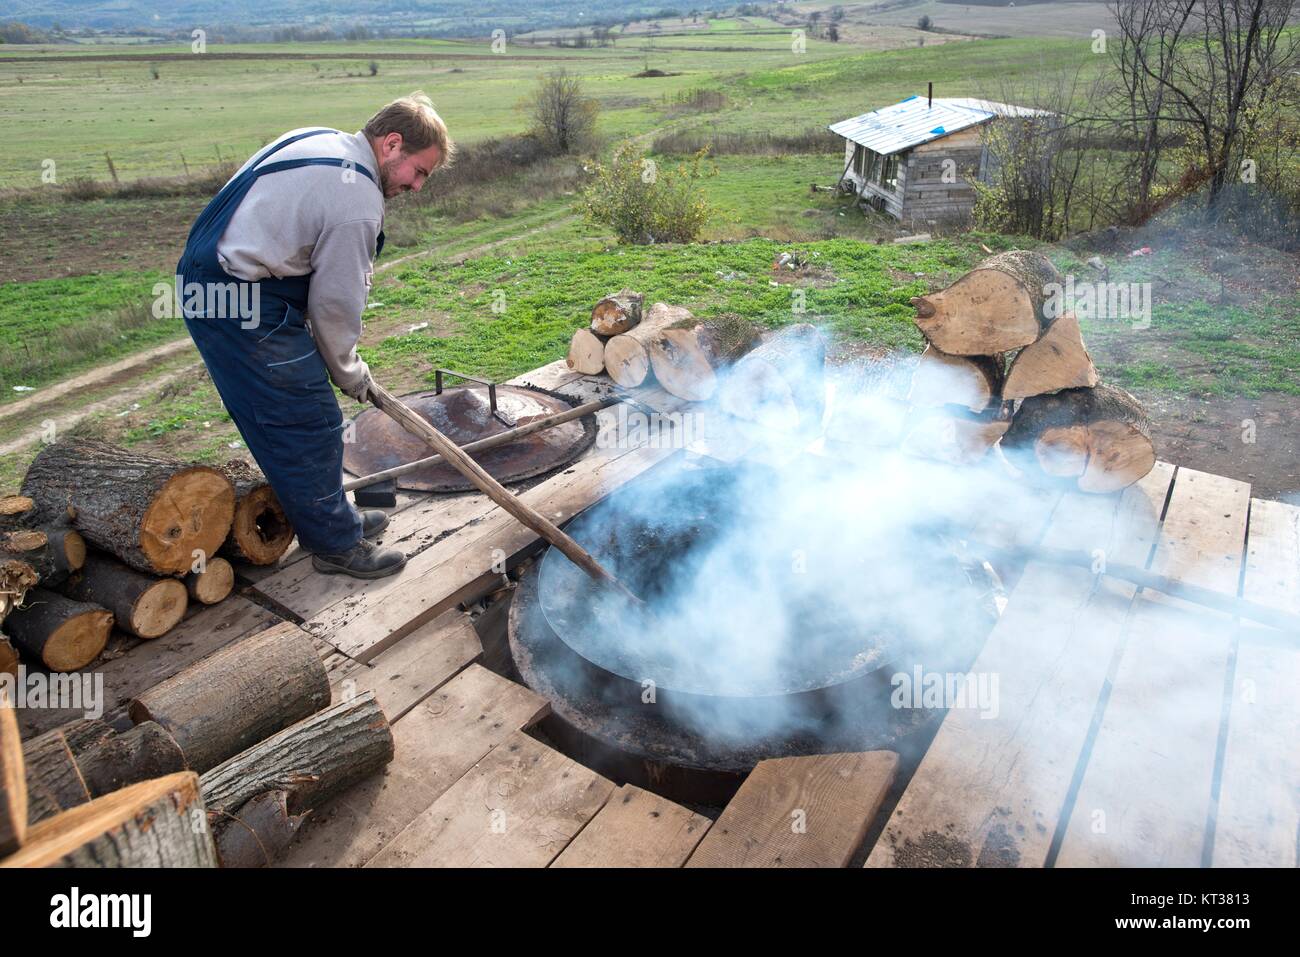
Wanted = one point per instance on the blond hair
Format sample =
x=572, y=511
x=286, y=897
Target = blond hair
x=419, y=123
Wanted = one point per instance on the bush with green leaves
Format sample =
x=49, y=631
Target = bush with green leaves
x=645, y=204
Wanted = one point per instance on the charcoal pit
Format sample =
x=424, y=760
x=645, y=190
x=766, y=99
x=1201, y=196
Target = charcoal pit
x=771, y=634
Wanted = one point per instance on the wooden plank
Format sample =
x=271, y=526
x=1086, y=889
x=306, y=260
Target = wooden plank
x=636, y=829
x=810, y=811
x=1204, y=531
x=1121, y=527
x=415, y=667
x=1273, y=555
x=518, y=807
x=1259, y=798
x=464, y=565
x=1145, y=796
x=150, y=662
x=435, y=744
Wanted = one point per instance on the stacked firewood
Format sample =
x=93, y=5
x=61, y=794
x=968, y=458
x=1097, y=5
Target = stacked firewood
x=103, y=536
x=1002, y=365
x=666, y=343
x=223, y=764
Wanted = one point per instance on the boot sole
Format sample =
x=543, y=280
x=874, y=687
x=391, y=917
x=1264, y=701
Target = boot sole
x=369, y=576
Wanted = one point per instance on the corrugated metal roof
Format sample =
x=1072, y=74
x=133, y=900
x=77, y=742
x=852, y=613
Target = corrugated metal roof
x=916, y=120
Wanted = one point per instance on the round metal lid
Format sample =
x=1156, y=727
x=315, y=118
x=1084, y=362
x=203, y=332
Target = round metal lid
x=464, y=415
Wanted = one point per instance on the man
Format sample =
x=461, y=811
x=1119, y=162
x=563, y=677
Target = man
x=294, y=234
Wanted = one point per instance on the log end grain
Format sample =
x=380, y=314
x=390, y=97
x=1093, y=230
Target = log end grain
x=192, y=513
x=160, y=608
x=213, y=584
x=260, y=532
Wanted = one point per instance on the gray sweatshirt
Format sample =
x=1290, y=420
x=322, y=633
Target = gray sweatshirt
x=323, y=220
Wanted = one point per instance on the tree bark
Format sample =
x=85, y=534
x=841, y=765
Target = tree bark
x=587, y=352
x=238, y=696
x=13, y=782
x=259, y=833
x=54, y=782
x=971, y=381
x=63, y=634
x=627, y=358
x=213, y=584
x=260, y=531
x=310, y=762
x=686, y=361
x=1059, y=360
x=781, y=384
x=1099, y=439
x=144, y=606
x=144, y=752
x=154, y=514
x=158, y=823
x=617, y=313
x=997, y=306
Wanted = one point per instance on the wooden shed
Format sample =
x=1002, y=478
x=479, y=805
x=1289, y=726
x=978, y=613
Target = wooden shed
x=915, y=160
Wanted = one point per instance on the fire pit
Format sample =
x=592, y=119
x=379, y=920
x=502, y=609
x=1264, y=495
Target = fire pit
x=779, y=616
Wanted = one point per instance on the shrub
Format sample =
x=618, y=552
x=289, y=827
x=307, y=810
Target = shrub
x=644, y=204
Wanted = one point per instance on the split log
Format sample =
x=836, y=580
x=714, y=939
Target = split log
x=310, y=762
x=781, y=384
x=17, y=577
x=13, y=781
x=142, y=605
x=259, y=833
x=587, y=352
x=8, y=657
x=617, y=313
x=958, y=438
x=238, y=696
x=260, y=531
x=213, y=584
x=144, y=752
x=1099, y=439
x=1059, y=360
x=158, y=823
x=997, y=306
x=54, y=782
x=971, y=381
x=63, y=634
x=627, y=359
x=154, y=514
x=686, y=360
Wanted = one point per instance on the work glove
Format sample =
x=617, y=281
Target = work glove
x=361, y=389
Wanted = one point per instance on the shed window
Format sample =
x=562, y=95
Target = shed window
x=889, y=172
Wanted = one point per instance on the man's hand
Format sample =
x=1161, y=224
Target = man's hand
x=361, y=390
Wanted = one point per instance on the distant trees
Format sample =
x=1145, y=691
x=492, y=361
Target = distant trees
x=925, y=23
x=563, y=116
x=643, y=204
x=833, y=33
x=12, y=31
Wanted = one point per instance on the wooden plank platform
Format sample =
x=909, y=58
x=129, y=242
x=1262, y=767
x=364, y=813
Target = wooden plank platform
x=636, y=829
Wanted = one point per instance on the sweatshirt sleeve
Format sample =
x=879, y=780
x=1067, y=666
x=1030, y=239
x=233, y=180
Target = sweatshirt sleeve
x=340, y=284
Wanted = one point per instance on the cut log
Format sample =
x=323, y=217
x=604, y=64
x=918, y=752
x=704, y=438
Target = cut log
x=213, y=584
x=155, y=514
x=13, y=781
x=63, y=634
x=686, y=360
x=1099, y=439
x=310, y=762
x=54, y=782
x=1059, y=360
x=627, y=359
x=781, y=384
x=12, y=505
x=617, y=313
x=158, y=823
x=8, y=656
x=259, y=833
x=142, y=605
x=959, y=438
x=587, y=352
x=17, y=577
x=970, y=381
x=145, y=751
x=54, y=551
x=999, y=305
x=238, y=696
x=260, y=531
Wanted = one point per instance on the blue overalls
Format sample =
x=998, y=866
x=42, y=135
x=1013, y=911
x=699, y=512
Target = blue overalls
x=266, y=366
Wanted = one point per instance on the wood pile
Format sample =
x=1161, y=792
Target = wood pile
x=105, y=537
x=662, y=343
x=225, y=760
x=1001, y=367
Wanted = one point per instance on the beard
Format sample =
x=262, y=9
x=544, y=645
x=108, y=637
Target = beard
x=386, y=184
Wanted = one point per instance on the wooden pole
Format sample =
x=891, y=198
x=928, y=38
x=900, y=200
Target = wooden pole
x=402, y=414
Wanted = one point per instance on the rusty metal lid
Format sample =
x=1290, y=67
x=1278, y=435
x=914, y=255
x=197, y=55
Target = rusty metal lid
x=464, y=415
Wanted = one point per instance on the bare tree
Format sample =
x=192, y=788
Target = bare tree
x=564, y=118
